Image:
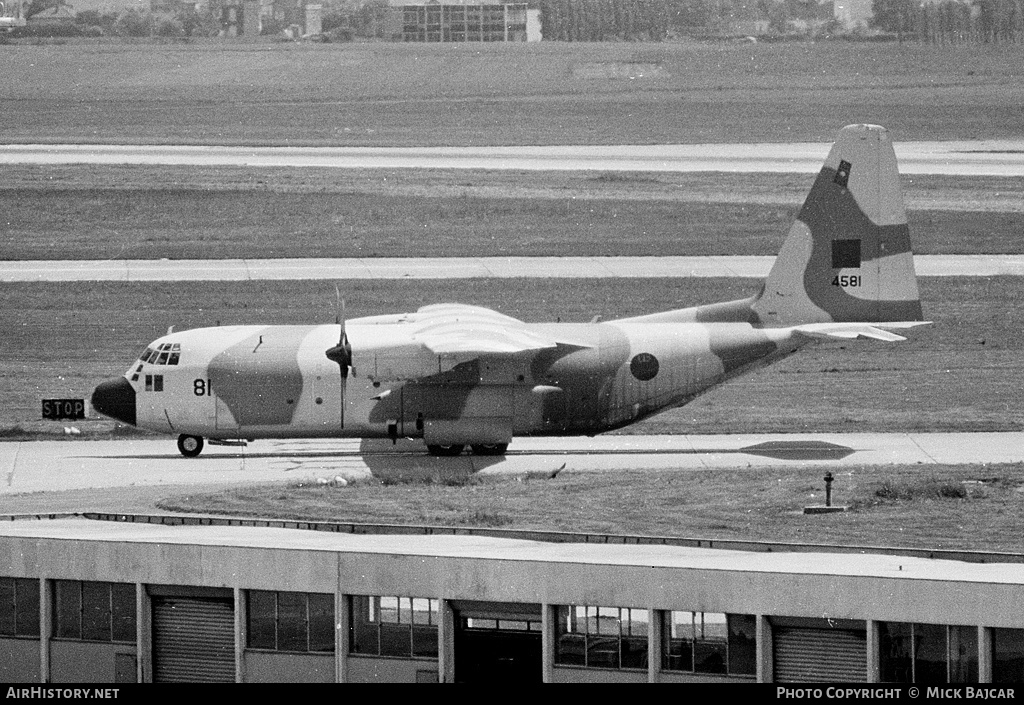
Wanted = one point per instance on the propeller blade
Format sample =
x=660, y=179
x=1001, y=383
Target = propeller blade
x=342, y=352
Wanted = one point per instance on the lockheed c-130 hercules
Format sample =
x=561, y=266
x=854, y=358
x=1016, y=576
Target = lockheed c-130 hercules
x=457, y=375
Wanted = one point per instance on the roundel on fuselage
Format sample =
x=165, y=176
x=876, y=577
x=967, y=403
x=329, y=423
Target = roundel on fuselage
x=644, y=366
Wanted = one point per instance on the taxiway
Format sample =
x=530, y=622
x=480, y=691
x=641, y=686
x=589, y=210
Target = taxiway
x=964, y=158
x=56, y=466
x=384, y=268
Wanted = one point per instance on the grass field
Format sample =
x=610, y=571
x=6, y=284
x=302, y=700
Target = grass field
x=937, y=507
x=116, y=212
x=474, y=94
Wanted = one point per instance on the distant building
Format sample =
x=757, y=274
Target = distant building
x=111, y=6
x=852, y=13
x=464, y=21
x=11, y=14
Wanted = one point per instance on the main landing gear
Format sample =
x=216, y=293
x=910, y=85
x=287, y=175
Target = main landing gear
x=190, y=446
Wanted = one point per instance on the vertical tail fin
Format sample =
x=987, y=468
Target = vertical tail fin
x=847, y=256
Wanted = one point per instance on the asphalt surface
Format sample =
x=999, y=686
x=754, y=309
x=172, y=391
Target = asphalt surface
x=965, y=158
x=457, y=268
x=74, y=465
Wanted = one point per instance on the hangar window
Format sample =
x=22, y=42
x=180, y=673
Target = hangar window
x=290, y=621
x=927, y=653
x=709, y=642
x=601, y=637
x=19, y=607
x=1008, y=655
x=394, y=626
x=94, y=611
x=501, y=625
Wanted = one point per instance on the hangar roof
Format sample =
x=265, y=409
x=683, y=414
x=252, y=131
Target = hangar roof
x=488, y=548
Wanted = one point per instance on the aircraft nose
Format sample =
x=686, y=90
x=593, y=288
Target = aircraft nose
x=115, y=398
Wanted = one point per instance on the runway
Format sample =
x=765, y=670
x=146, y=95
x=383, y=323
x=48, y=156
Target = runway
x=56, y=466
x=964, y=158
x=385, y=268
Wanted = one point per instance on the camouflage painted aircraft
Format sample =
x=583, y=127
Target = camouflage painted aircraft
x=457, y=375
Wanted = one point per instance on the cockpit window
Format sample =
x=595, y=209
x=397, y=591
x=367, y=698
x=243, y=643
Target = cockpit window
x=165, y=354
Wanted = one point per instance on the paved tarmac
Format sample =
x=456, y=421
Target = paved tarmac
x=457, y=268
x=56, y=466
x=964, y=158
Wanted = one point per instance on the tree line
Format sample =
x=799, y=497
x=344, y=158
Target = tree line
x=952, y=21
x=602, y=20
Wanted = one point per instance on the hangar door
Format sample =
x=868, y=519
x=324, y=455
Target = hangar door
x=820, y=650
x=497, y=642
x=194, y=638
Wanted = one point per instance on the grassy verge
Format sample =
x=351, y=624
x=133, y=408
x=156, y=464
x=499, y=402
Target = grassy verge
x=545, y=93
x=963, y=507
x=106, y=212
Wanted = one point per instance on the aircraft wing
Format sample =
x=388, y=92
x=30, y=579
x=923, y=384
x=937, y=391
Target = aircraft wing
x=848, y=331
x=473, y=330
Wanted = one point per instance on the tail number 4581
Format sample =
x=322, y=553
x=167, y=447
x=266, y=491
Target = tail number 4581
x=845, y=281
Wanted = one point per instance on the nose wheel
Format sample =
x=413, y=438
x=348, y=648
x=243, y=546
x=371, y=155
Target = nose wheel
x=190, y=446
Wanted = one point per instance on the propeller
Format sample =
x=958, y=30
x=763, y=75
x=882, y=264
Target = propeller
x=341, y=353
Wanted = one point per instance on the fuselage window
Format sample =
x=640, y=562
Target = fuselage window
x=162, y=360
x=154, y=383
x=173, y=359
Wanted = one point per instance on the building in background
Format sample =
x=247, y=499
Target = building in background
x=852, y=13
x=11, y=14
x=458, y=21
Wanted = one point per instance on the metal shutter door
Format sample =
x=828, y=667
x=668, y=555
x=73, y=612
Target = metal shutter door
x=808, y=655
x=193, y=640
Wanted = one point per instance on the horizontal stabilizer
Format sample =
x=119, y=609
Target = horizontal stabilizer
x=849, y=331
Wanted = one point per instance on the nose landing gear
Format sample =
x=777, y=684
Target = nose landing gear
x=190, y=446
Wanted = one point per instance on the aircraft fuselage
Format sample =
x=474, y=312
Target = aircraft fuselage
x=276, y=381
